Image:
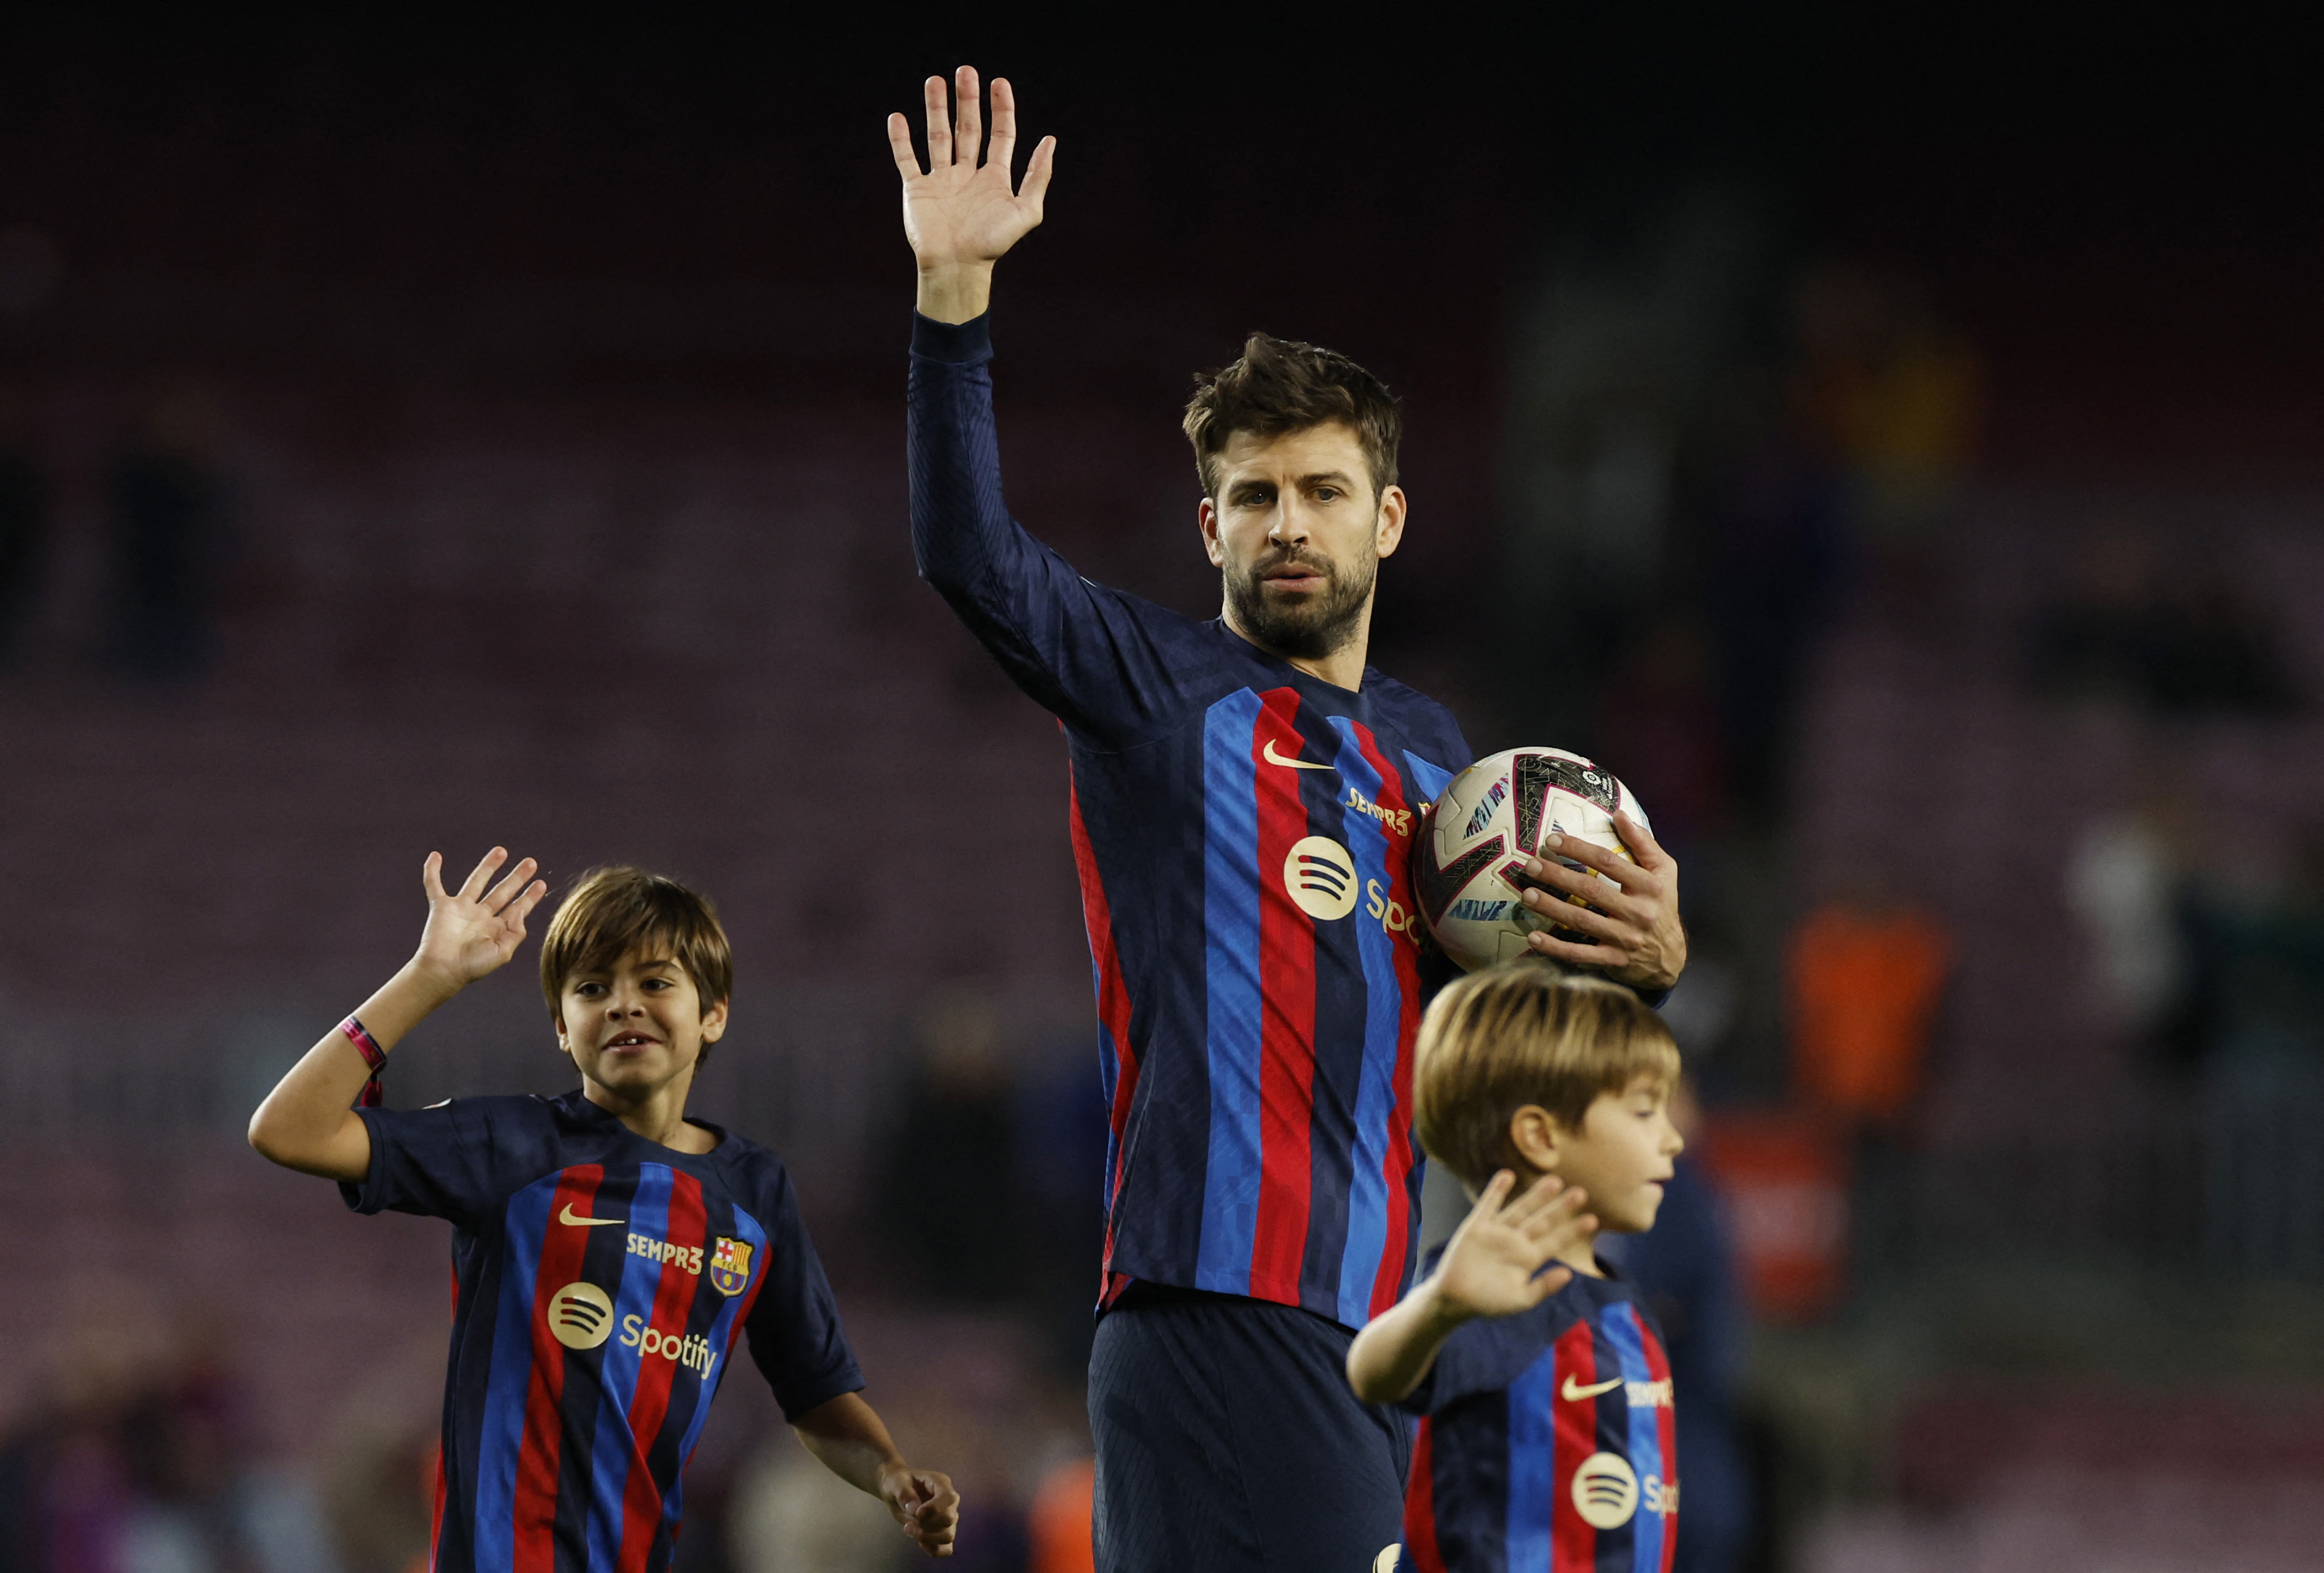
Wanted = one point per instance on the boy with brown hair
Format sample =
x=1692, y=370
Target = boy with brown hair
x=1546, y=1431
x=607, y=1251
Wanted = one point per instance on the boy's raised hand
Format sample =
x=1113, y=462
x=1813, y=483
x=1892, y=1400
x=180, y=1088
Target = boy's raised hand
x=472, y=932
x=1493, y=1264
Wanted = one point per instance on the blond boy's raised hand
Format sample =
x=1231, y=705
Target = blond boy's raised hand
x=1494, y=1264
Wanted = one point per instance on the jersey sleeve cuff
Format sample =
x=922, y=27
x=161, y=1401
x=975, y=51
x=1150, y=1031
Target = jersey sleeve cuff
x=364, y=1196
x=796, y=1402
x=961, y=344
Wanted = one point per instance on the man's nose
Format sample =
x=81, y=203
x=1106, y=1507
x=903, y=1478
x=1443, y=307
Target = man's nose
x=1290, y=521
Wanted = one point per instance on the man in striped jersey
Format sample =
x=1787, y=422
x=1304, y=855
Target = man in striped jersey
x=608, y=1252
x=1548, y=1436
x=1245, y=793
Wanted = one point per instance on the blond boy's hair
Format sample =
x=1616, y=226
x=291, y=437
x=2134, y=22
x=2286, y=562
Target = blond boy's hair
x=611, y=912
x=1500, y=1039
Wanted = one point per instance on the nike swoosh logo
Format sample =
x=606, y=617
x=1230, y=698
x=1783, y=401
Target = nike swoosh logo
x=1593, y=1391
x=568, y=1217
x=1272, y=757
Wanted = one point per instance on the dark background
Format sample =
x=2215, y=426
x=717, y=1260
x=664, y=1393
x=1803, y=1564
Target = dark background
x=535, y=383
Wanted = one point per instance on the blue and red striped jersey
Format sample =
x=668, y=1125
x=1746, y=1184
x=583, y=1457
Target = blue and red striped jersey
x=1241, y=831
x=1547, y=1442
x=599, y=1284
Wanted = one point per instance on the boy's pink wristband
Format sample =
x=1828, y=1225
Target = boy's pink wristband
x=374, y=1055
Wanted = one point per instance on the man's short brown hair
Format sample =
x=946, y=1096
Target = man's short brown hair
x=612, y=912
x=1499, y=1039
x=1281, y=385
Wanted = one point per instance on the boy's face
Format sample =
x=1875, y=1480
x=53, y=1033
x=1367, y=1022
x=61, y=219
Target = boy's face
x=1621, y=1155
x=636, y=1026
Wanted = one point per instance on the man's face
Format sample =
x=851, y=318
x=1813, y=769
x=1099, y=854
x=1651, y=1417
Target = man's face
x=636, y=1026
x=1297, y=535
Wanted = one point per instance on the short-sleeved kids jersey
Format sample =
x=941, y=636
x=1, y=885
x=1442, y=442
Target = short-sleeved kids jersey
x=1242, y=831
x=1547, y=1442
x=599, y=1281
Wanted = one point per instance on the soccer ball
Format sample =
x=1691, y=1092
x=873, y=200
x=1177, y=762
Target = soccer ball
x=1468, y=872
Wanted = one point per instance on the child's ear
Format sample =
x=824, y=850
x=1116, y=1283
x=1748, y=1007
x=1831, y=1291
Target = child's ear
x=1533, y=1133
x=714, y=1023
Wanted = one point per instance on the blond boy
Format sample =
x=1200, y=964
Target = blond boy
x=1546, y=1423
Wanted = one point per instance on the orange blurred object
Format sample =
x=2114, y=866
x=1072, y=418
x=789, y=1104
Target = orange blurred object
x=1784, y=1179
x=1864, y=991
x=1058, y=1522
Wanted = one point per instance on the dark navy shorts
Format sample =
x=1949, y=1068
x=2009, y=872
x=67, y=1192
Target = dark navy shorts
x=1226, y=1439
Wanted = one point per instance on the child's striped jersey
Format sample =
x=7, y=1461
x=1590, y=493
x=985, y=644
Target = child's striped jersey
x=1241, y=831
x=599, y=1284
x=1547, y=1442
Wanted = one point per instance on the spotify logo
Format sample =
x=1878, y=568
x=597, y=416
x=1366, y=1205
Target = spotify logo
x=580, y=1316
x=1605, y=1491
x=1321, y=877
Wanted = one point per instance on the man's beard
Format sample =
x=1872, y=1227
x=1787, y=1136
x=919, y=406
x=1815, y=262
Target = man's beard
x=1314, y=627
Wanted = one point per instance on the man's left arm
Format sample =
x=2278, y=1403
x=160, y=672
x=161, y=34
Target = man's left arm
x=1631, y=918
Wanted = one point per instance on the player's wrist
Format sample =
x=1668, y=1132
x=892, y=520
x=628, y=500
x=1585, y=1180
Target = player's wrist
x=1443, y=1313
x=954, y=291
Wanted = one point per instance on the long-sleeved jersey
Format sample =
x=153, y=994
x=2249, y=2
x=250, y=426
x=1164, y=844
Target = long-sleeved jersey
x=1241, y=831
x=1547, y=1443
x=600, y=1282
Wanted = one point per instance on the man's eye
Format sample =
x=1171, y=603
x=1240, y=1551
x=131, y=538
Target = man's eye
x=1327, y=493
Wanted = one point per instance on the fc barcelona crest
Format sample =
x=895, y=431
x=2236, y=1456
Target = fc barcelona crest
x=730, y=1266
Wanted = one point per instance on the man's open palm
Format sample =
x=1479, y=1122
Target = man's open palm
x=473, y=931
x=961, y=211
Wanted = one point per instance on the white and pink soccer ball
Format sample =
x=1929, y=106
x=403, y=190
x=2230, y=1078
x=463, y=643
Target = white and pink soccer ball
x=1468, y=870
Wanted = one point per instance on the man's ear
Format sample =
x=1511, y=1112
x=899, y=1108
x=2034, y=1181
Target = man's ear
x=1535, y=1134
x=714, y=1023
x=1388, y=533
x=1207, y=519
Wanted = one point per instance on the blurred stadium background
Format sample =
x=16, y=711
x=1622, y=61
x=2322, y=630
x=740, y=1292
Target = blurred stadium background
x=1901, y=459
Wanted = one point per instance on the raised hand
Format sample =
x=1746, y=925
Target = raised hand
x=472, y=932
x=1632, y=920
x=963, y=213
x=1493, y=1264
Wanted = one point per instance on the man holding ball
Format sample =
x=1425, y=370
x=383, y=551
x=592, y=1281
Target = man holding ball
x=1245, y=795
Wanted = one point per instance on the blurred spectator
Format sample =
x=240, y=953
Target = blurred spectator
x=1686, y=1265
x=129, y=1471
x=2258, y=984
x=948, y=1188
x=23, y=525
x=1890, y=397
x=793, y=1515
x=1865, y=972
x=1058, y=1528
x=1058, y=1169
x=2122, y=879
x=1773, y=564
x=169, y=517
x=2127, y=630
